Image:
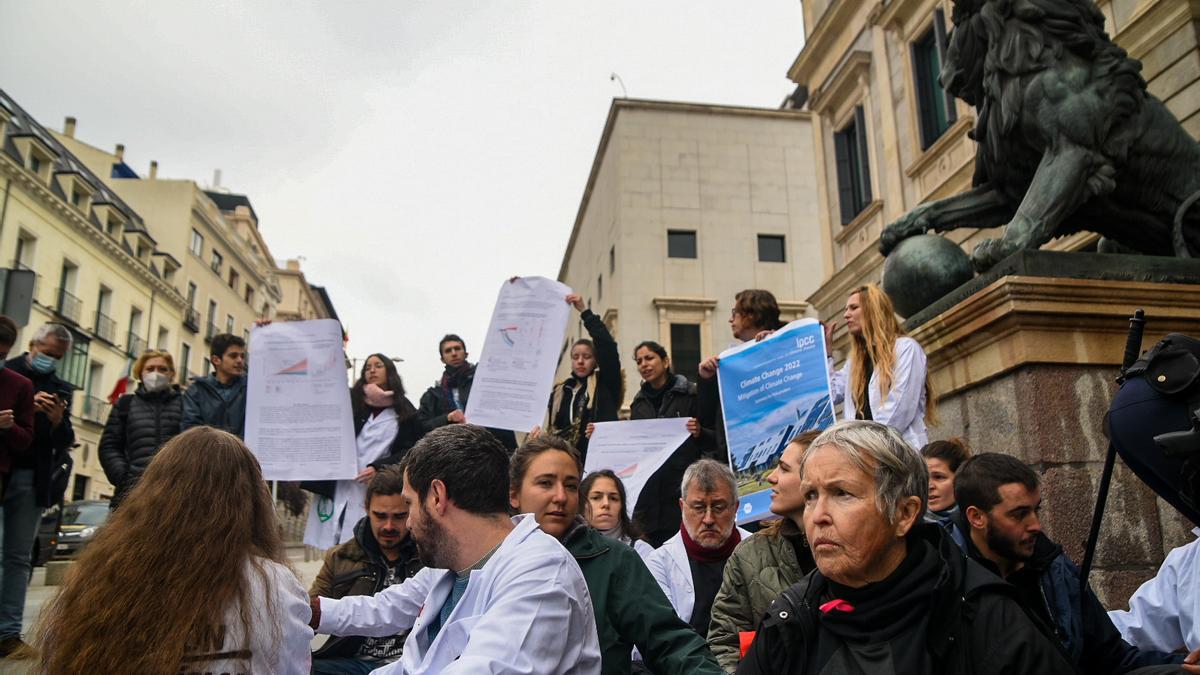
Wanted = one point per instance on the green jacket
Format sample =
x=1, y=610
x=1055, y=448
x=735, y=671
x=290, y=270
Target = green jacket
x=761, y=568
x=631, y=610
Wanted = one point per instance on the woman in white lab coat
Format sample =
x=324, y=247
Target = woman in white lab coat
x=885, y=377
x=386, y=425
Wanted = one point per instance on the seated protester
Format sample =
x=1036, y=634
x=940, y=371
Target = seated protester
x=890, y=595
x=497, y=594
x=630, y=608
x=594, y=389
x=754, y=311
x=943, y=458
x=998, y=498
x=604, y=506
x=1163, y=611
x=380, y=555
x=764, y=565
x=189, y=576
x=665, y=394
x=690, y=565
x=446, y=401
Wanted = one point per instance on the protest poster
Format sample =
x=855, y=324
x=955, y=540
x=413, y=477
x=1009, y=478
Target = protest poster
x=771, y=391
x=520, y=354
x=298, y=419
x=634, y=450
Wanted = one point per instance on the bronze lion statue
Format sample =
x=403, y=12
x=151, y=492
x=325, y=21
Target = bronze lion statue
x=1067, y=137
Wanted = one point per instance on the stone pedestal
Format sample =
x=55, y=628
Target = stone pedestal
x=1026, y=365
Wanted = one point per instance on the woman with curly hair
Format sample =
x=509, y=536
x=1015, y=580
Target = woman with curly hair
x=189, y=575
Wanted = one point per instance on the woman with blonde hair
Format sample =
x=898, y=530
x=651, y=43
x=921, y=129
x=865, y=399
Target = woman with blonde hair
x=885, y=377
x=189, y=575
x=140, y=423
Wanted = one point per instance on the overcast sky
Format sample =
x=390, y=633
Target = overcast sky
x=414, y=153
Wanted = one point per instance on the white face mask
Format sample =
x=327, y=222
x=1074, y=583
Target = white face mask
x=155, y=381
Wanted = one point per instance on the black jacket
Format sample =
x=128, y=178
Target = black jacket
x=137, y=427
x=50, y=456
x=435, y=408
x=1048, y=585
x=708, y=411
x=975, y=625
x=604, y=387
x=408, y=432
x=657, y=510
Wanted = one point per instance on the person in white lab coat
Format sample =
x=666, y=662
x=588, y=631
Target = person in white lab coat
x=386, y=425
x=1163, y=613
x=497, y=596
x=885, y=378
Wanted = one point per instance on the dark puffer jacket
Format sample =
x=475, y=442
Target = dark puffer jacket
x=138, y=425
x=435, y=408
x=575, y=404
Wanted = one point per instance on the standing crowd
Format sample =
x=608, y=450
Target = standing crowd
x=455, y=549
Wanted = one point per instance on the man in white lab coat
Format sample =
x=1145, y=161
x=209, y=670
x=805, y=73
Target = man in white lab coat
x=497, y=595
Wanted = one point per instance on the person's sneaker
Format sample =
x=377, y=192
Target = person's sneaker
x=14, y=648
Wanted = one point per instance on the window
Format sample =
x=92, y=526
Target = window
x=612, y=260
x=685, y=349
x=75, y=364
x=79, y=492
x=233, y=279
x=163, y=337
x=217, y=261
x=229, y=324
x=853, y=169
x=35, y=163
x=249, y=295
x=185, y=354
x=197, y=247
x=246, y=335
x=24, y=255
x=191, y=295
x=77, y=199
x=771, y=249
x=212, y=315
x=935, y=107
x=600, y=287
x=681, y=243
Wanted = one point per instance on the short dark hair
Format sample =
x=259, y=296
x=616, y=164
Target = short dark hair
x=952, y=451
x=387, y=481
x=221, y=343
x=977, y=482
x=469, y=460
x=533, y=447
x=630, y=529
x=652, y=346
x=8, y=331
x=759, y=306
x=450, y=337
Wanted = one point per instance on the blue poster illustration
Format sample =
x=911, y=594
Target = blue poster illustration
x=771, y=391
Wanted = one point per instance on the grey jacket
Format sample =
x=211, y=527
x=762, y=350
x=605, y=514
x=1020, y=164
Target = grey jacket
x=208, y=402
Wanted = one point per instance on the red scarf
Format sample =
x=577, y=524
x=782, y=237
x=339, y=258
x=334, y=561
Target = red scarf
x=699, y=553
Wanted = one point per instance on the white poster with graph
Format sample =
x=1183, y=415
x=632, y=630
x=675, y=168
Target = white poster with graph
x=298, y=419
x=520, y=354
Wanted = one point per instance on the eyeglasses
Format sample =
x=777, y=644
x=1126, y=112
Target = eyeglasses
x=699, y=508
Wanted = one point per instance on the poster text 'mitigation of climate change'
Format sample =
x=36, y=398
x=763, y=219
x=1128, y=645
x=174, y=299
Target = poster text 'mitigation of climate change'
x=771, y=391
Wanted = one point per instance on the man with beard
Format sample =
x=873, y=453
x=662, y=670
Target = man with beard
x=999, y=498
x=690, y=565
x=380, y=555
x=446, y=401
x=497, y=595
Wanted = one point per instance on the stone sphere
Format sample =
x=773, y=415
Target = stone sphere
x=922, y=269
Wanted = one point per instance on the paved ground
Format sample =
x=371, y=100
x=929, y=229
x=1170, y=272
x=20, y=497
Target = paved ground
x=39, y=593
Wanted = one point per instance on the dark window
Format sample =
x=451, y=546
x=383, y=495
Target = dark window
x=934, y=106
x=853, y=168
x=76, y=362
x=681, y=244
x=612, y=260
x=79, y=493
x=770, y=248
x=685, y=349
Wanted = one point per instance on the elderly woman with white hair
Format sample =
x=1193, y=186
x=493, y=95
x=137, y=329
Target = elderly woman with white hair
x=890, y=594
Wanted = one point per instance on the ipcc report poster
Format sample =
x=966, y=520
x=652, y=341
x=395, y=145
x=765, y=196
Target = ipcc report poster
x=634, y=450
x=298, y=418
x=771, y=391
x=520, y=354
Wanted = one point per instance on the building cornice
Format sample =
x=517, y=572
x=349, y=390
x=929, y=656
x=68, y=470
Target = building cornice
x=217, y=225
x=832, y=22
x=842, y=82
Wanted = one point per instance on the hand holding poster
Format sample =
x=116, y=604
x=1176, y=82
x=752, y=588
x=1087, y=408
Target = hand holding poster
x=298, y=419
x=634, y=450
x=771, y=391
x=520, y=354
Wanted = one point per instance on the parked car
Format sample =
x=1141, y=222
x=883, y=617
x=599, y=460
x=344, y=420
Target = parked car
x=80, y=521
x=47, y=536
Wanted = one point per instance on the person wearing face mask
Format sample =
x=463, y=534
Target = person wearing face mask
x=39, y=476
x=631, y=610
x=141, y=422
x=386, y=425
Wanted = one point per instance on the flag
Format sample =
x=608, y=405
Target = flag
x=122, y=383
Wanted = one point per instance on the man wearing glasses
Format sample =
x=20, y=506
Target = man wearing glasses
x=689, y=565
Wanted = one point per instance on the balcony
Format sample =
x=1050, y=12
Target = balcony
x=210, y=332
x=136, y=345
x=191, y=320
x=95, y=409
x=69, y=306
x=106, y=328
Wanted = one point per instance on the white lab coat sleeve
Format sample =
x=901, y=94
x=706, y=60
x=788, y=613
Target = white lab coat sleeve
x=540, y=625
x=1153, y=620
x=837, y=379
x=390, y=611
x=903, y=402
x=658, y=562
x=295, y=652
